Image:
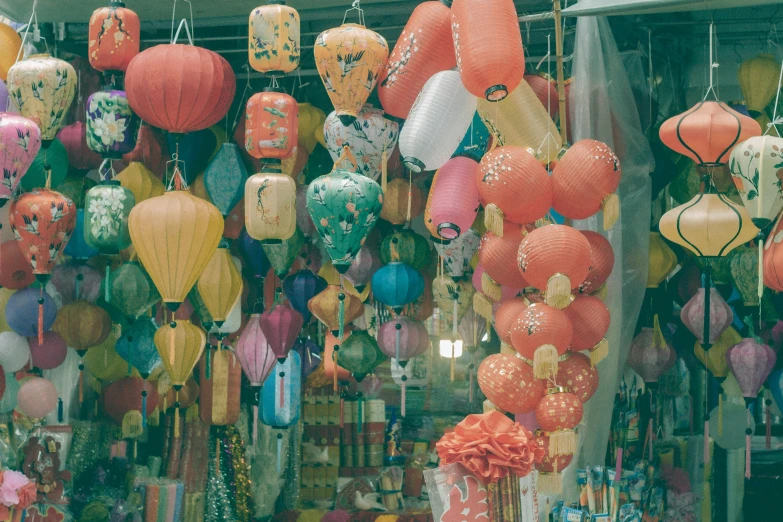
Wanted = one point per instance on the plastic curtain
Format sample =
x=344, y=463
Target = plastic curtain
x=603, y=108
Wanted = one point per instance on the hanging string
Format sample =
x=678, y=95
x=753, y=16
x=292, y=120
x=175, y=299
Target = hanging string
x=191, y=34
x=713, y=65
x=775, y=121
x=33, y=15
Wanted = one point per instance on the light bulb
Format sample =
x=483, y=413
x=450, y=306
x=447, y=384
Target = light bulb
x=446, y=347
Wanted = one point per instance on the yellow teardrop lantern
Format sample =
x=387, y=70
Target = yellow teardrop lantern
x=311, y=118
x=402, y=201
x=140, y=181
x=273, y=44
x=10, y=43
x=715, y=358
x=180, y=349
x=758, y=80
x=662, y=260
x=220, y=285
x=175, y=236
x=270, y=205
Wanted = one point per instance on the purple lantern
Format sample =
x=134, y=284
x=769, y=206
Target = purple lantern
x=111, y=125
x=20, y=141
x=253, y=352
x=371, y=386
x=4, y=105
x=363, y=267
x=76, y=281
x=403, y=338
x=309, y=353
x=299, y=288
x=695, y=319
x=281, y=326
x=21, y=311
x=751, y=363
x=303, y=219
x=256, y=263
x=50, y=353
x=650, y=355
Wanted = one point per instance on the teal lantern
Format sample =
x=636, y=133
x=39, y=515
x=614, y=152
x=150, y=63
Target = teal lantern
x=107, y=206
x=77, y=246
x=224, y=178
x=396, y=285
x=406, y=246
x=344, y=207
x=281, y=395
x=56, y=157
x=476, y=140
x=131, y=291
x=282, y=255
x=137, y=346
x=360, y=355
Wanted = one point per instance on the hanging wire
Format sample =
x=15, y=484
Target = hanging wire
x=775, y=119
x=355, y=6
x=712, y=66
x=173, y=17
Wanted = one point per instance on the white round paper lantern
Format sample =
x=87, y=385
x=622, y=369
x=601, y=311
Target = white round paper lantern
x=14, y=352
x=437, y=122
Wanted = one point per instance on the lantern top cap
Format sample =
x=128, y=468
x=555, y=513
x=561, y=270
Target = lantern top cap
x=556, y=389
x=116, y=3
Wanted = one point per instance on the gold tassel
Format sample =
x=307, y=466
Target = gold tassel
x=154, y=419
x=562, y=442
x=490, y=288
x=489, y=406
x=599, y=352
x=482, y=306
x=550, y=483
x=453, y=362
x=176, y=415
x=384, y=171
x=545, y=361
x=558, y=291
x=493, y=219
x=611, y=207
x=132, y=425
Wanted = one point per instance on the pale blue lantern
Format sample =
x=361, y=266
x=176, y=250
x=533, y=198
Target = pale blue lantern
x=224, y=178
x=281, y=395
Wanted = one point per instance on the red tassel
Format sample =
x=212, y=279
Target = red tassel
x=282, y=391
x=706, y=441
x=40, y=318
x=768, y=423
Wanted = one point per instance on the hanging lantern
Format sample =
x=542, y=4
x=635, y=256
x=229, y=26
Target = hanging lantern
x=697, y=321
x=311, y=119
x=512, y=185
x=360, y=355
x=281, y=394
x=584, y=181
x=37, y=398
x=17, y=272
x=550, y=478
x=344, y=207
x=300, y=287
x=107, y=207
x=220, y=285
x=520, y=120
x=282, y=255
x=270, y=206
x=140, y=181
x=662, y=260
x=424, y=48
x=10, y=43
x=82, y=325
x=363, y=266
x=50, y=353
x=402, y=338
x=224, y=178
x=132, y=290
x=396, y=285
x=42, y=221
x=74, y=139
x=326, y=306
x=111, y=125
x=772, y=258
x=257, y=264
x=421, y=309
x=56, y=157
x=406, y=246
x=180, y=88
x=303, y=219
x=545, y=88
x=137, y=346
x=273, y=43
x=651, y=356
x=601, y=264
x=453, y=298
x=707, y=132
x=197, y=227
x=348, y=59
x=476, y=140
x=151, y=151
x=754, y=169
x=371, y=137
x=114, y=36
x=506, y=316
x=541, y=334
x=454, y=198
x=751, y=362
x=456, y=254
x=715, y=358
x=271, y=125
x=443, y=112
x=496, y=254
x=590, y=319
x=180, y=345
x=576, y=373
x=554, y=259
x=506, y=292
x=42, y=88
x=22, y=312
x=20, y=141
x=14, y=352
x=490, y=67
x=334, y=371
x=745, y=274
x=758, y=81
x=472, y=328
x=220, y=391
x=75, y=280
x=508, y=382
x=558, y=413
x=254, y=353
x=281, y=326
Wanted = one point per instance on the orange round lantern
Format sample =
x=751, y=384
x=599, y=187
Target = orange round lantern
x=590, y=318
x=508, y=382
x=188, y=395
x=550, y=478
x=513, y=186
x=577, y=374
x=424, y=48
x=555, y=259
x=541, y=334
x=558, y=413
x=16, y=271
x=545, y=88
x=506, y=315
x=496, y=255
x=82, y=325
x=326, y=305
x=488, y=46
x=114, y=36
x=601, y=262
x=271, y=125
x=584, y=182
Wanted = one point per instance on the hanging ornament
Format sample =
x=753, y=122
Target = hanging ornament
x=496, y=255
x=360, y=355
x=17, y=272
x=20, y=141
x=754, y=169
x=271, y=125
x=506, y=316
x=590, y=319
x=49, y=354
x=107, y=207
x=601, y=264
x=758, y=81
x=281, y=394
x=707, y=327
x=75, y=280
x=453, y=298
x=454, y=198
x=281, y=326
x=282, y=255
x=403, y=338
x=82, y=325
x=140, y=181
x=224, y=178
x=476, y=140
x=558, y=413
x=311, y=119
x=111, y=125
x=396, y=285
x=270, y=206
x=132, y=290
x=650, y=355
x=14, y=352
x=300, y=287
x=506, y=292
x=254, y=353
x=114, y=37
x=715, y=358
x=220, y=285
x=131, y=394
x=137, y=346
x=541, y=335
x=550, y=478
x=578, y=374
x=406, y=246
x=508, y=382
x=363, y=266
x=10, y=43
x=456, y=254
x=744, y=268
x=273, y=43
x=327, y=305
x=49, y=166
x=545, y=88
x=23, y=312
x=751, y=362
x=472, y=328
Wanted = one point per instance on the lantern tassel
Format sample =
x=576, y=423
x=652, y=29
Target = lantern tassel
x=768, y=425
x=562, y=442
x=384, y=171
x=550, y=483
x=453, y=362
x=490, y=288
x=611, y=207
x=334, y=370
x=493, y=219
x=748, y=435
x=342, y=411
x=397, y=335
x=599, y=352
x=545, y=361
x=403, y=395
x=706, y=440
x=707, y=284
x=41, y=317
x=217, y=456
x=482, y=306
x=81, y=383
x=143, y=410
x=60, y=411
x=410, y=197
x=720, y=414
x=208, y=360
x=176, y=415
x=359, y=412
x=77, y=287
x=470, y=387
x=341, y=319
x=454, y=318
x=558, y=291
x=760, y=289
x=107, y=284
x=255, y=423
x=279, y=452
x=282, y=390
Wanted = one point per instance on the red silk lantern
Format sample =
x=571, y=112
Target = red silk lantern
x=80, y=156
x=151, y=150
x=514, y=186
x=496, y=255
x=16, y=272
x=577, y=374
x=584, y=181
x=506, y=315
x=541, y=334
x=558, y=413
x=601, y=262
x=488, y=46
x=180, y=88
x=271, y=125
x=454, y=199
x=707, y=132
x=424, y=48
x=555, y=259
x=550, y=478
x=50, y=353
x=281, y=325
x=545, y=88
x=590, y=318
x=130, y=394
x=114, y=36
x=508, y=382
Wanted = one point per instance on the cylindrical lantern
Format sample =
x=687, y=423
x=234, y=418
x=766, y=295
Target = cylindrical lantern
x=20, y=140
x=270, y=206
x=754, y=167
x=111, y=125
x=545, y=88
x=348, y=59
x=74, y=139
x=37, y=398
x=590, y=319
x=577, y=374
x=220, y=393
x=220, y=285
x=271, y=125
x=558, y=413
x=273, y=42
x=114, y=36
x=107, y=207
x=454, y=197
x=601, y=264
x=550, y=479
x=508, y=382
x=281, y=394
x=142, y=183
x=488, y=46
x=496, y=255
x=541, y=334
x=82, y=325
x=437, y=122
x=396, y=285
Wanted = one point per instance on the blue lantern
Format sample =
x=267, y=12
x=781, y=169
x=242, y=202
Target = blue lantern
x=396, y=285
x=476, y=140
x=224, y=178
x=300, y=287
x=137, y=346
x=256, y=263
x=194, y=149
x=77, y=246
x=282, y=393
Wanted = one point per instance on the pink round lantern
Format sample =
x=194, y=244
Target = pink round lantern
x=720, y=315
x=454, y=201
x=50, y=353
x=506, y=292
x=650, y=354
x=507, y=314
x=751, y=362
x=281, y=325
x=403, y=338
x=80, y=156
x=602, y=262
x=37, y=398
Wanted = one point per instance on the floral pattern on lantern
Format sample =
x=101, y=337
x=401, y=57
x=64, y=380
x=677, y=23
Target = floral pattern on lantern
x=270, y=206
x=111, y=125
x=20, y=141
x=273, y=43
x=107, y=207
x=456, y=254
x=271, y=125
x=757, y=170
x=114, y=37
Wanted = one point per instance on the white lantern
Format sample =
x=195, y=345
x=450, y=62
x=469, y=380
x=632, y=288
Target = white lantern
x=438, y=120
x=756, y=167
x=14, y=352
x=449, y=349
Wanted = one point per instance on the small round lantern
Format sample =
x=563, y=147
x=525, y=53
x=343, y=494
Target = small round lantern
x=281, y=326
x=751, y=362
x=406, y=246
x=508, y=382
x=541, y=334
x=37, y=398
x=137, y=346
x=395, y=202
x=10, y=43
x=590, y=319
x=601, y=262
x=496, y=255
x=23, y=312
x=14, y=352
x=403, y=339
x=576, y=373
x=17, y=272
x=396, y=285
x=558, y=413
x=114, y=37
x=82, y=325
x=754, y=169
x=50, y=353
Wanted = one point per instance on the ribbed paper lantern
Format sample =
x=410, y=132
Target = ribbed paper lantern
x=715, y=358
x=175, y=266
x=74, y=139
x=558, y=413
x=37, y=398
x=273, y=43
x=180, y=88
x=360, y=355
x=132, y=290
x=720, y=315
x=253, y=352
x=325, y=307
x=396, y=285
x=522, y=121
x=456, y=254
x=137, y=346
x=14, y=352
x=758, y=80
x=496, y=255
x=371, y=137
x=508, y=382
x=755, y=164
x=282, y=255
x=271, y=125
x=512, y=185
x=42, y=88
x=403, y=338
x=114, y=36
x=542, y=334
x=454, y=198
x=650, y=355
x=10, y=42
x=281, y=326
x=220, y=285
x=662, y=260
x=348, y=59
x=555, y=259
x=16, y=272
x=751, y=362
x=437, y=122
x=488, y=46
x=601, y=264
x=107, y=207
x=111, y=125
x=577, y=374
x=50, y=353
x=506, y=316
x=21, y=312
x=584, y=182
x=20, y=140
x=56, y=157
x=550, y=479
x=82, y=325
x=142, y=183
x=270, y=206
x=180, y=348
x=707, y=132
x=590, y=319
x=424, y=48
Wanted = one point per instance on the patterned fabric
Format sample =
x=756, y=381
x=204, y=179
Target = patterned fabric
x=274, y=38
x=111, y=125
x=457, y=253
x=107, y=207
x=20, y=141
x=271, y=127
x=369, y=136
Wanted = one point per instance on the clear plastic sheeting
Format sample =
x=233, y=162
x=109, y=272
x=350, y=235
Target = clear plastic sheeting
x=603, y=108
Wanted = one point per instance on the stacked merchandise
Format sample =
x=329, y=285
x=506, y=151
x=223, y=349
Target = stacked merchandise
x=362, y=438
x=321, y=445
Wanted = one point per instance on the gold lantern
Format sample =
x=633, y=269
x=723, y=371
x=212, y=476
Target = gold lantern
x=175, y=236
x=273, y=43
x=140, y=181
x=402, y=201
x=220, y=285
x=270, y=205
x=662, y=260
x=715, y=358
x=10, y=43
x=758, y=80
x=311, y=119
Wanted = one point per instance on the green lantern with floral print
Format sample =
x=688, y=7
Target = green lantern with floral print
x=107, y=207
x=111, y=125
x=344, y=206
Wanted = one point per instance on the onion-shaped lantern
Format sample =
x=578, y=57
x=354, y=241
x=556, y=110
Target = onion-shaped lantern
x=137, y=346
x=327, y=305
x=403, y=339
x=396, y=285
x=20, y=141
x=360, y=355
x=220, y=285
x=82, y=325
x=224, y=178
x=707, y=315
x=300, y=287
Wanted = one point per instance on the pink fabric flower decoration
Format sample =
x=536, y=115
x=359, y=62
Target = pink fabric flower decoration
x=27, y=495
x=13, y=481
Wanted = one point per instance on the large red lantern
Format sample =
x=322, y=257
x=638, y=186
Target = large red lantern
x=558, y=413
x=114, y=36
x=508, y=382
x=506, y=315
x=271, y=125
x=424, y=48
x=180, y=88
x=601, y=262
x=577, y=374
x=496, y=255
x=488, y=46
x=590, y=318
x=541, y=334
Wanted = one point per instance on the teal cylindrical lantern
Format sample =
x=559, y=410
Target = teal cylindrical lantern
x=107, y=206
x=281, y=395
x=396, y=285
x=112, y=127
x=224, y=178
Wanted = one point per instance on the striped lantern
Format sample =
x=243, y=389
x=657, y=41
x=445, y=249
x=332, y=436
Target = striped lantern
x=454, y=199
